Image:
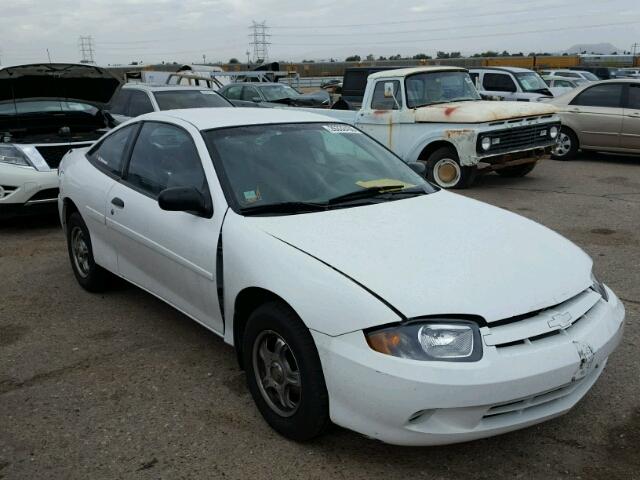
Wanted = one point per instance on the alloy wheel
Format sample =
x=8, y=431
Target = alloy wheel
x=564, y=145
x=80, y=251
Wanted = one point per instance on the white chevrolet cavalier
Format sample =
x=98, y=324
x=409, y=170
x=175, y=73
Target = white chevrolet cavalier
x=352, y=290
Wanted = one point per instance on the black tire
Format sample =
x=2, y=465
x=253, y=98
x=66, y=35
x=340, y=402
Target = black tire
x=445, y=159
x=91, y=276
x=311, y=416
x=564, y=150
x=516, y=170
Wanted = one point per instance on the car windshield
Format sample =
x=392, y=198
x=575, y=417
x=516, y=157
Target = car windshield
x=22, y=107
x=311, y=164
x=589, y=76
x=530, y=81
x=278, y=92
x=176, y=99
x=439, y=87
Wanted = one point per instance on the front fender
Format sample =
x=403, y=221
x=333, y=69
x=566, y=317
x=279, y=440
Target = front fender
x=462, y=139
x=326, y=300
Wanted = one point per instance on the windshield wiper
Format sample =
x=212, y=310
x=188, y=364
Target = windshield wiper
x=284, y=207
x=372, y=192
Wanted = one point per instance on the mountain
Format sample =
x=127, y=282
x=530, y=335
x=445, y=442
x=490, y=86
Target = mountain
x=599, y=48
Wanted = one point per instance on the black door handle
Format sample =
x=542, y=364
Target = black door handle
x=117, y=202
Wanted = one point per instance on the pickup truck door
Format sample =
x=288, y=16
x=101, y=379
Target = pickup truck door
x=170, y=254
x=630, y=137
x=596, y=114
x=382, y=113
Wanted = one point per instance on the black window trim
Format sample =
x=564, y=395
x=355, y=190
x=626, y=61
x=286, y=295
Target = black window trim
x=125, y=169
x=621, y=101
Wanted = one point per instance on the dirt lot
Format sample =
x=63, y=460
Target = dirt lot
x=122, y=386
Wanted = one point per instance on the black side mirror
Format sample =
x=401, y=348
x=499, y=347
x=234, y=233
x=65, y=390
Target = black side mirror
x=185, y=199
x=418, y=167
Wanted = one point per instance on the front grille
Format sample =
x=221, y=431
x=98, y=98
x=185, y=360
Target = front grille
x=518, y=138
x=541, y=324
x=53, y=154
x=46, y=194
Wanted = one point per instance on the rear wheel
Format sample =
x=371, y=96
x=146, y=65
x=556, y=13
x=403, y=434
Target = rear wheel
x=444, y=169
x=90, y=276
x=284, y=374
x=567, y=147
x=516, y=170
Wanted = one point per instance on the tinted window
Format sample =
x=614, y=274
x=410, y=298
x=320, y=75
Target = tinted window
x=498, y=82
x=380, y=102
x=109, y=154
x=634, y=97
x=139, y=104
x=164, y=156
x=176, y=99
x=607, y=95
x=233, y=92
x=119, y=102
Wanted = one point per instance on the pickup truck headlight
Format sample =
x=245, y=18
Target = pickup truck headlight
x=486, y=143
x=553, y=132
x=598, y=286
x=433, y=340
x=13, y=156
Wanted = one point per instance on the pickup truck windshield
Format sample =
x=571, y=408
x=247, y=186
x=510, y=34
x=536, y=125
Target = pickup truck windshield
x=307, y=167
x=531, y=82
x=177, y=99
x=439, y=87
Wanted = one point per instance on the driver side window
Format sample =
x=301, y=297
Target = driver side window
x=380, y=102
x=164, y=156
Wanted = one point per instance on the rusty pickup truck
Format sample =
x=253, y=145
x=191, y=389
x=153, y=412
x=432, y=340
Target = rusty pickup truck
x=436, y=116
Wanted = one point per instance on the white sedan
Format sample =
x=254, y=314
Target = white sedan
x=352, y=290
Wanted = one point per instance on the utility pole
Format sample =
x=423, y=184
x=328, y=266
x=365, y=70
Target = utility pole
x=87, y=50
x=260, y=41
x=248, y=58
x=48, y=55
x=204, y=59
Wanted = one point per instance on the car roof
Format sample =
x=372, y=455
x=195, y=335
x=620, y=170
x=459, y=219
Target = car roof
x=403, y=72
x=504, y=69
x=221, y=117
x=159, y=87
x=256, y=84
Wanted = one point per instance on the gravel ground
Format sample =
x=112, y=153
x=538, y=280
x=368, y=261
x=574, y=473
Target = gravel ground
x=122, y=386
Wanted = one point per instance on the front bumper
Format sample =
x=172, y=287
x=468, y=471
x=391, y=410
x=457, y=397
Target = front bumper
x=408, y=402
x=26, y=190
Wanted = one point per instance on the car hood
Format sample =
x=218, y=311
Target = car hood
x=480, y=111
x=83, y=83
x=441, y=254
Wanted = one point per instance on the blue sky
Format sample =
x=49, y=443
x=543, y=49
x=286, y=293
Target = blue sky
x=184, y=30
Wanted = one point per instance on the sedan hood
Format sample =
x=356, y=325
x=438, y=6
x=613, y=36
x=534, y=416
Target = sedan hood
x=441, y=254
x=481, y=111
x=82, y=83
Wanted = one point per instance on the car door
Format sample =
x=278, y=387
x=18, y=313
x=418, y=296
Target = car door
x=596, y=115
x=500, y=85
x=630, y=137
x=106, y=161
x=384, y=114
x=170, y=254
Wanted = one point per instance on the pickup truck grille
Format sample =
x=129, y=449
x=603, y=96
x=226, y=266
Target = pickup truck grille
x=53, y=154
x=518, y=138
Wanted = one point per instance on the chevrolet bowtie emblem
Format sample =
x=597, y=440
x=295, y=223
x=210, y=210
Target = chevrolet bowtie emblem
x=561, y=320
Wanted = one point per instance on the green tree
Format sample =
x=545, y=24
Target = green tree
x=442, y=55
x=421, y=56
x=352, y=58
x=233, y=60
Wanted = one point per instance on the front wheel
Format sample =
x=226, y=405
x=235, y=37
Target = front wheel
x=567, y=147
x=444, y=169
x=516, y=170
x=284, y=374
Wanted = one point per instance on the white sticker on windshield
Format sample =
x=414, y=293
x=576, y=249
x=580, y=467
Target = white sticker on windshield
x=207, y=92
x=338, y=128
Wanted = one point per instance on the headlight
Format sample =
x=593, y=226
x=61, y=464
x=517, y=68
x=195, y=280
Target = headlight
x=486, y=143
x=437, y=340
x=553, y=132
x=13, y=156
x=598, y=286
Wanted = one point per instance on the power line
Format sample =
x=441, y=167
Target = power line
x=260, y=43
x=85, y=44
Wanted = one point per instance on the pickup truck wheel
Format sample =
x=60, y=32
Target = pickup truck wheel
x=91, y=276
x=444, y=169
x=284, y=373
x=516, y=170
x=567, y=147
